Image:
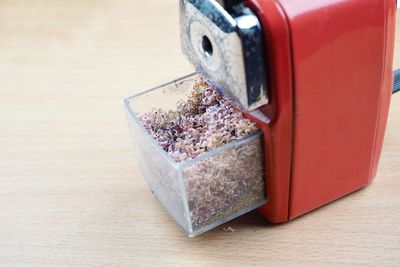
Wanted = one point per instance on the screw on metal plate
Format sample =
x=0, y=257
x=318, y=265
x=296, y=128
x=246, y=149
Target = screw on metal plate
x=223, y=40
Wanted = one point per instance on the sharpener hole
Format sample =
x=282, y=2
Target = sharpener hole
x=207, y=46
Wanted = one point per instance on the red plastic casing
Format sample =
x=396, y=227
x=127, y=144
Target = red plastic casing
x=330, y=81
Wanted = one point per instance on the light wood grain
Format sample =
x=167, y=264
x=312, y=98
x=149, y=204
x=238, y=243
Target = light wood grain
x=70, y=190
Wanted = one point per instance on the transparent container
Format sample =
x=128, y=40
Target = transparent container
x=204, y=192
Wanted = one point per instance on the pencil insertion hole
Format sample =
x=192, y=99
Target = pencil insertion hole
x=207, y=46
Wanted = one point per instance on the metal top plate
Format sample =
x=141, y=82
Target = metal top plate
x=227, y=50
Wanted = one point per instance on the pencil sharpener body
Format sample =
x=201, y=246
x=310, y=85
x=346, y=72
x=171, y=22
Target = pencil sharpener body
x=316, y=76
x=321, y=95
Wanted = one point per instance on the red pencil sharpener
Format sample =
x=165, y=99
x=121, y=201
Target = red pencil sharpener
x=316, y=76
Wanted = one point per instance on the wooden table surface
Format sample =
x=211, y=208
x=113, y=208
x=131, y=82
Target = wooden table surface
x=70, y=190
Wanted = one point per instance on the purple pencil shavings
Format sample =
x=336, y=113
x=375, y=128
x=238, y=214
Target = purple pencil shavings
x=220, y=185
x=201, y=123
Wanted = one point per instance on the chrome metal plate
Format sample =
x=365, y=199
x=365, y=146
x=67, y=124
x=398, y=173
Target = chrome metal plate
x=225, y=49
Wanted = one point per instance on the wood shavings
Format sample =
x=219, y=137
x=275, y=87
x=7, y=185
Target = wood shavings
x=220, y=185
x=201, y=123
x=228, y=229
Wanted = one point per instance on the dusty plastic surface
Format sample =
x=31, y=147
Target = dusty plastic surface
x=209, y=190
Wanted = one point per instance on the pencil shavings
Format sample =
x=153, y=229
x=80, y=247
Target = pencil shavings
x=219, y=185
x=201, y=123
